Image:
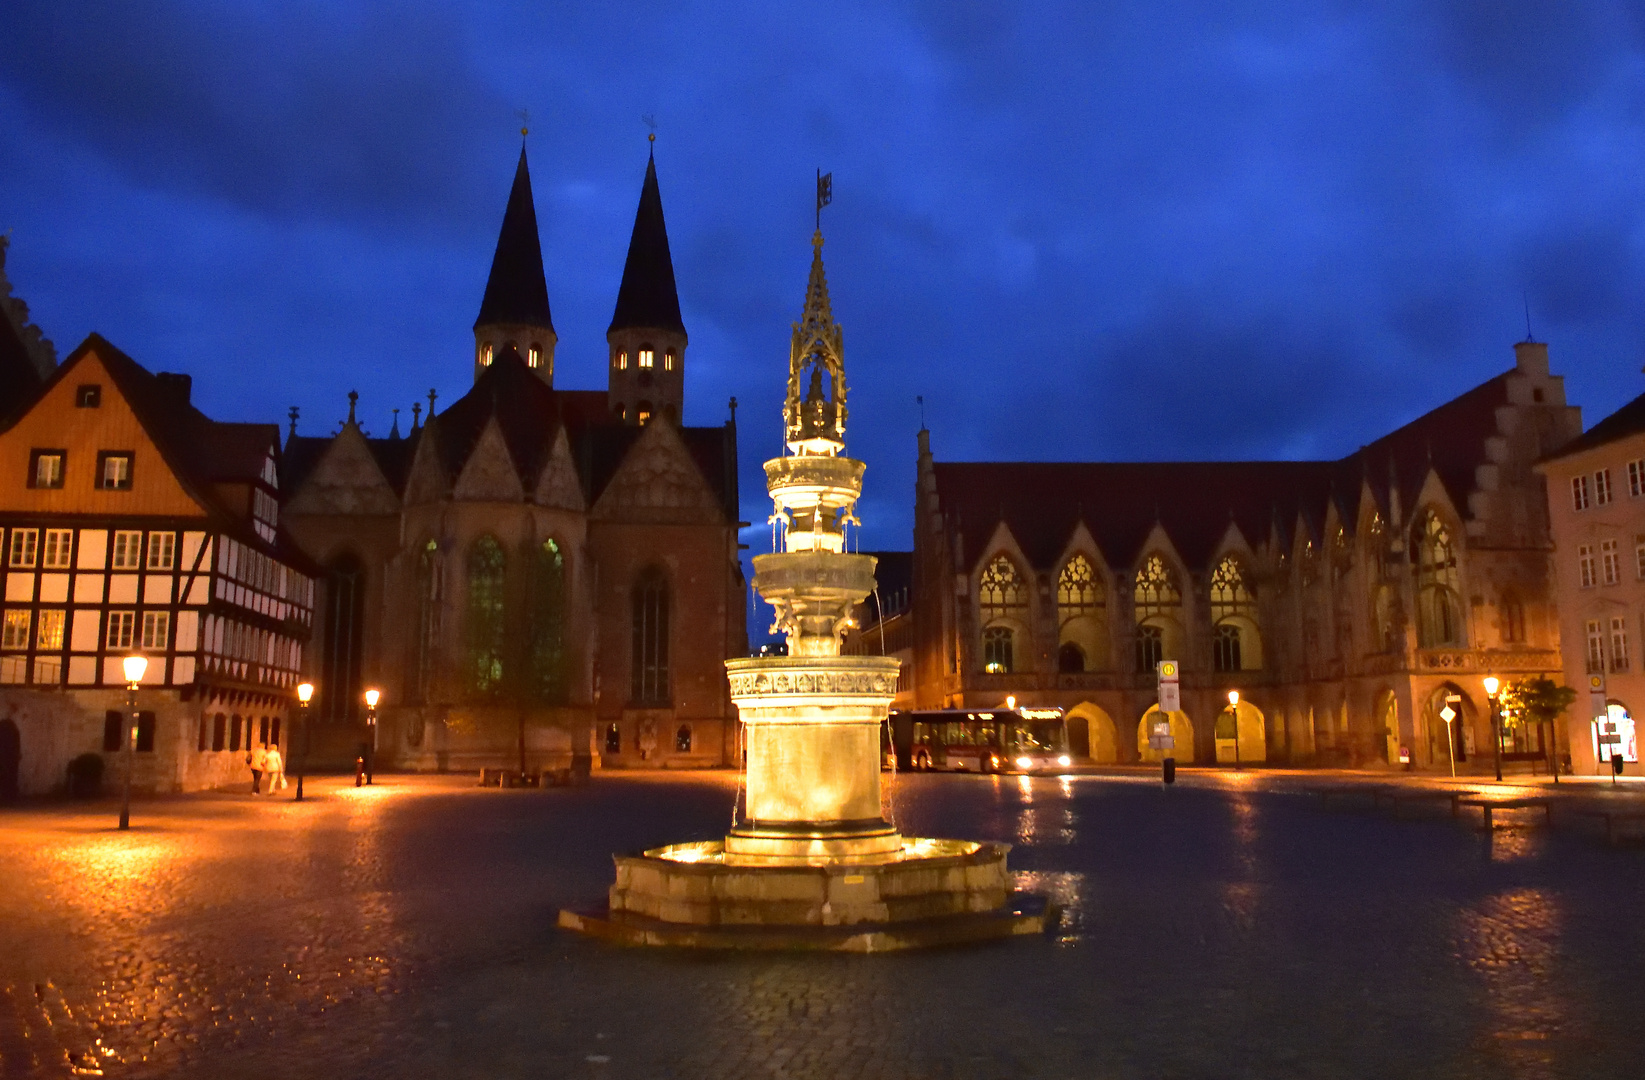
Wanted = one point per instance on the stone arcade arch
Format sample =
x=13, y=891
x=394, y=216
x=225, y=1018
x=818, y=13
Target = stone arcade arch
x=1092, y=734
x=1252, y=734
x=1182, y=729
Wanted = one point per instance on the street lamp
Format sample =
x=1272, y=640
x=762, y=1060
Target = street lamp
x=372, y=697
x=305, y=691
x=1491, y=685
x=1233, y=707
x=135, y=665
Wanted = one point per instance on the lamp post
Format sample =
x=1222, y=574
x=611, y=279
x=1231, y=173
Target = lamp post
x=1491, y=685
x=1233, y=708
x=372, y=697
x=305, y=691
x=135, y=665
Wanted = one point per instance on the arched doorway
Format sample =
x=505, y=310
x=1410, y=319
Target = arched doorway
x=1386, y=733
x=11, y=759
x=1092, y=734
x=1462, y=740
x=1246, y=742
x=1182, y=730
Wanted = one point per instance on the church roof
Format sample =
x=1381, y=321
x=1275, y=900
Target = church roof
x=1194, y=501
x=516, y=292
x=1628, y=420
x=648, y=298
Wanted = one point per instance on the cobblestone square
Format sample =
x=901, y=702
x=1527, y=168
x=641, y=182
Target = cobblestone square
x=1233, y=926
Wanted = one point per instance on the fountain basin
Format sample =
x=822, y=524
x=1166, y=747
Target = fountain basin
x=937, y=892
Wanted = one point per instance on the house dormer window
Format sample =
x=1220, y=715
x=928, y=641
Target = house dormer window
x=46, y=470
x=114, y=470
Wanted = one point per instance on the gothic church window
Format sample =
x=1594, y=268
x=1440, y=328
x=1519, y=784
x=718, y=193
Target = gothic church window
x=1080, y=626
x=1002, y=602
x=649, y=684
x=548, y=661
x=344, y=635
x=1158, y=603
x=1439, y=605
x=1234, y=642
x=486, y=606
x=428, y=613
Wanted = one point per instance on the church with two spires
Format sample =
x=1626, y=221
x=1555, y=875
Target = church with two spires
x=536, y=577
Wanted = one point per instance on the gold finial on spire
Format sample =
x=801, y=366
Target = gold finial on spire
x=525, y=122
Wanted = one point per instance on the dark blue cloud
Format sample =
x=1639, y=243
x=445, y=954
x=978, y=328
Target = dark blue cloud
x=1167, y=229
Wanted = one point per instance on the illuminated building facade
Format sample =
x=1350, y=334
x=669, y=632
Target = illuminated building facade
x=1596, y=506
x=1347, y=601
x=133, y=522
x=535, y=577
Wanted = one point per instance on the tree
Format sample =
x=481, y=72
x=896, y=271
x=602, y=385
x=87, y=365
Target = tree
x=1534, y=701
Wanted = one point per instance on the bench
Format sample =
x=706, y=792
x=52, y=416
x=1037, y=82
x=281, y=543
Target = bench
x=1614, y=814
x=1533, y=757
x=1489, y=803
x=1399, y=796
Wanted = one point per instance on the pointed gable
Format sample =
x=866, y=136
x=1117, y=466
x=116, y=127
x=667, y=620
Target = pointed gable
x=516, y=292
x=648, y=297
x=489, y=474
x=557, y=485
x=345, y=479
x=658, y=481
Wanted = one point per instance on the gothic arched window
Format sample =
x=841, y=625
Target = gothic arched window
x=1439, y=599
x=428, y=618
x=1002, y=603
x=1150, y=648
x=486, y=607
x=1156, y=589
x=1081, y=633
x=649, y=677
x=1233, y=611
x=548, y=666
x=344, y=638
x=1158, y=603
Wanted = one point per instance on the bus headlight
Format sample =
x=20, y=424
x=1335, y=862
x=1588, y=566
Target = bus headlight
x=1065, y=761
x=1025, y=763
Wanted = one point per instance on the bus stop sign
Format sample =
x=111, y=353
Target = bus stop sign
x=1170, y=688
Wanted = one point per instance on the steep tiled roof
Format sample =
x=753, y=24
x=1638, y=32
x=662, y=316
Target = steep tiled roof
x=516, y=291
x=1194, y=501
x=1628, y=420
x=648, y=297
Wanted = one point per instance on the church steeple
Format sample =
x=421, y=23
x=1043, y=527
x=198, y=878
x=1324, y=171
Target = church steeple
x=816, y=422
x=515, y=310
x=647, y=336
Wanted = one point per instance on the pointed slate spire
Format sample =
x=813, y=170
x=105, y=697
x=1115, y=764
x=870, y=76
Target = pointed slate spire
x=648, y=298
x=516, y=293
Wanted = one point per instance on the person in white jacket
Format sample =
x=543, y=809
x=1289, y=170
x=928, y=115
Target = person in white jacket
x=276, y=770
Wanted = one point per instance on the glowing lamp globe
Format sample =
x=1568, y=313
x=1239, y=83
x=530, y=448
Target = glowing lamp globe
x=371, y=698
x=305, y=691
x=1491, y=684
x=135, y=665
x=1233, y=698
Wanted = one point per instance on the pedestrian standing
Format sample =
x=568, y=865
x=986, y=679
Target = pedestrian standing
x=276, y=766
x=258, y=760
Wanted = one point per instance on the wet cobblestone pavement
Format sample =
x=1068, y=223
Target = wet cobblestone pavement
x=1229, y=927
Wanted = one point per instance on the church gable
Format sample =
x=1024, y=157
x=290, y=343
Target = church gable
x=557, y=485
x=346, y=480
x=489, y=474
x=426, y=482
x=658, y=482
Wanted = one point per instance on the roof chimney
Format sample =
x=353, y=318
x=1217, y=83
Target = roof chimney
x=176, y=388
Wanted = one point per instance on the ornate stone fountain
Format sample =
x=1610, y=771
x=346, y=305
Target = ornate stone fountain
x=814, y=863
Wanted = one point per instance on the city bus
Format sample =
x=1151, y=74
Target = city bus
x=1020, y=740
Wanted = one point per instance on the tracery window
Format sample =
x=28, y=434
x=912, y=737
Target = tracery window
x=1232, y=608
x=1226, y=654
x=486, y=605
x=648, y=682
x=1002, y=599
x=428, y=618
x=548, y=661
x=1439, y=606
x=1156, y=589
x=1078, y=590
x=344, y=640
x=1150, y=648
x=1081, y=637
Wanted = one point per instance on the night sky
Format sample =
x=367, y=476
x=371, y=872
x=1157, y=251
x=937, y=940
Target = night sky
x=1115, y=230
